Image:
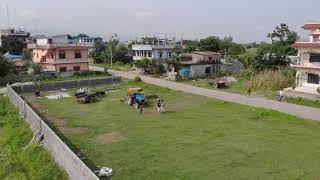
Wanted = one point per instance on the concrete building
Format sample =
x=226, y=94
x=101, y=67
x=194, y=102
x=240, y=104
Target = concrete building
x=233, y=67
x=159, y=49
x=21, y=35
x=88, y=39
x=308, y=61
x=56, y=54
x=200, y=64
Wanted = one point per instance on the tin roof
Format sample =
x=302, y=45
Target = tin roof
x=311, y=26
x=298, y=45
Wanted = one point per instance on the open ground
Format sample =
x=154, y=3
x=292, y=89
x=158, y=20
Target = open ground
x=197, y=138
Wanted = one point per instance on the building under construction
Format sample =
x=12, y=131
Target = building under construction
x=21, y=35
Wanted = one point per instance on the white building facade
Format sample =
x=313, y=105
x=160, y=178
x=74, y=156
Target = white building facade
x=307, y=64
x=159, y=49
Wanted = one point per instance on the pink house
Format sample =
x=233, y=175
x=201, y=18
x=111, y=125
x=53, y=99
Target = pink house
x=56, y=54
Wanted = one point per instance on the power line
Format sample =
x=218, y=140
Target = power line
x=8, y=16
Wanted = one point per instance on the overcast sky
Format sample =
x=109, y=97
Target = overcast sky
x=244, y=20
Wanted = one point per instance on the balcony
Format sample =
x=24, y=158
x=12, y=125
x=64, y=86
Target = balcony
x=65, y=61
x=61, y=45
x=311, y=66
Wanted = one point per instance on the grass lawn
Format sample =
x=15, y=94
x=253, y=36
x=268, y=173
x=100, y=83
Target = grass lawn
x=115, y=66
x=197, y=138
x=305, y=102
x=15, y=163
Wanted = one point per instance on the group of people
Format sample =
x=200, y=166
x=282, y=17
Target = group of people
x=160, y=106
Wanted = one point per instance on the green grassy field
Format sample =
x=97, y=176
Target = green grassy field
x=33, y=163
x=115, y=66
x=197, y=138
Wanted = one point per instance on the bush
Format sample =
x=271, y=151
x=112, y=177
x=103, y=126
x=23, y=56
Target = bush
x=137, y=79
x=222, y=74
x=318, y=89
x=247, y=73
x=272, y=80
x=159, y=69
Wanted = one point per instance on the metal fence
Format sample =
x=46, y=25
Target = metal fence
x=65, y=84
x=62, y=154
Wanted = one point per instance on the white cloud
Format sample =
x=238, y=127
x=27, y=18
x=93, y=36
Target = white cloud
x=144, y=14
x=27, y=14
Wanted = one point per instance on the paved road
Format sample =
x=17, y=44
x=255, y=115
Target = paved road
x=296, y=110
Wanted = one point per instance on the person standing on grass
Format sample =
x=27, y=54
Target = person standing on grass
x=141, y=107
x=249, y=91
x=159, y=105
x=162, y=107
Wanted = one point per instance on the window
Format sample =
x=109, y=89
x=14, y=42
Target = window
x=62, y=55
x=63, y=69
x=77, y=55
x=37, y=55
x=52, y=56
x=149, y=54
x=314, y=57
x=160, y=54
x=208, y=70
x=313, y=78
x=210, y=58
x=76, y=68
x=170, y=54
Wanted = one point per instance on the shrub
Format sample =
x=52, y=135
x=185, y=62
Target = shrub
x=318, y=89
x=137, y=79
x=159, y=69
x=247, y=73
x=222, y=74
x=272, y=80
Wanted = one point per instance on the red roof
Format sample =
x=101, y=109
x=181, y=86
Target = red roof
x=311, y=26
x=298, y=45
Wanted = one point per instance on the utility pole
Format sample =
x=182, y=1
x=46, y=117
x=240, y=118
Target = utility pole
x=111, y=55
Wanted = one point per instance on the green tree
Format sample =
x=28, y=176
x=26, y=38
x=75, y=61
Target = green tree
x=211, y=43
x=12, y=45
x=190, y=46
x=26, y=55
x=121, y=54
x=282, y=37
x=98, y=53
x=37, y=68
x=275, y=55
x=248, y=57
x=6, y=66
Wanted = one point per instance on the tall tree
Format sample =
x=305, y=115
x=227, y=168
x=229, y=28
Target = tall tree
x=26, y=54
x=12, y=45
x=275, y=55
x=282, y=37
x=6, y=66
x=98, y=53
x=211, y=43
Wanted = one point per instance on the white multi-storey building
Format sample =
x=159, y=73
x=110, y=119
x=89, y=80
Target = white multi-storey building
x=159, y=49
x=308, y=61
